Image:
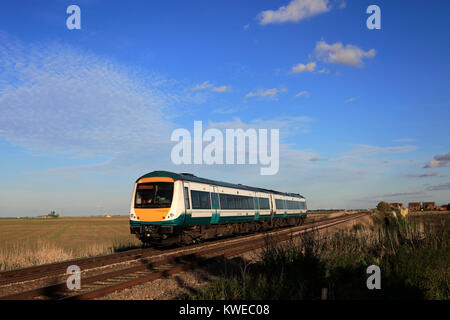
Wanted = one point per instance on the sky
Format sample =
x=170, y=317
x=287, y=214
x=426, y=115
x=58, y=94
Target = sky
x=363, y=114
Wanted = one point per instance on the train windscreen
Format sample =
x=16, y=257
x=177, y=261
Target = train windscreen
x=154, y=195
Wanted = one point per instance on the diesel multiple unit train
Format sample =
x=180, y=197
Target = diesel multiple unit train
x=168, y=207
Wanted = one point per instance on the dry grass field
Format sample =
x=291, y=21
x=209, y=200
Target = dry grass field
x=27, y=242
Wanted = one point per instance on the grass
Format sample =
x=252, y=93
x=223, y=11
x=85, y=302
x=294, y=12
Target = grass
x=28, y=242
x=414, y=264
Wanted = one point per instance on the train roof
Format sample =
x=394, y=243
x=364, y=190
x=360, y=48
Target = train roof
x=193, y=178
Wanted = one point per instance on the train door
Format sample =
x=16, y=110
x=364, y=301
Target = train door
x=272, y=207
x=256, y=209
x=187, y=203
x=215, y=205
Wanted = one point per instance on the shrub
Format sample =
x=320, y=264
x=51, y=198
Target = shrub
x=383, y=207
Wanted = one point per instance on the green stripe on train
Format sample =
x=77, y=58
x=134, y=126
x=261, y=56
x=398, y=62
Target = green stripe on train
x=187, y=219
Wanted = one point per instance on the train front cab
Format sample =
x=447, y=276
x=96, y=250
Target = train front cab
x=157, y=207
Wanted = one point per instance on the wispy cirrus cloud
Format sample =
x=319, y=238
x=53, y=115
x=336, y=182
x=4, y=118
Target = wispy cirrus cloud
x=423, y=175
x=363, y=149
x=265, y=93
x=295, y=11
x=445, y=186
x=288, y=126
x=302, y=93
x=351, y=99
x=404, y=140
x=57, y=98
x=395, y=196
x=224, y=110
x=209, y=86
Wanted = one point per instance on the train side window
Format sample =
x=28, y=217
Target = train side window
x=263, y=203
x=200, y=200
x=232, y=202
x=251, y=203
x=205, y=200
x=280, y=204
x=238, y=202
x=244, y=202
x=195, y=199
x=223, y=201
x=186, y=198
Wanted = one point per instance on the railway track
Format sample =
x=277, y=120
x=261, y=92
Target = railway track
x=149, y=264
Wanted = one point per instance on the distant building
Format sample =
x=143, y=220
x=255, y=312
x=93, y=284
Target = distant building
x=442, y=208
x=396, y=205
x=428, y=205
x=414, y=206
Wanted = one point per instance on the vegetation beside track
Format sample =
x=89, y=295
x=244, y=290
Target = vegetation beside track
x=414, y=263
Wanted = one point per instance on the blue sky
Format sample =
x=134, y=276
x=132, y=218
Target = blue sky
x=363, y=114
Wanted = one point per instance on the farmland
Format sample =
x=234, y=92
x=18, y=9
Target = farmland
x=27, y=242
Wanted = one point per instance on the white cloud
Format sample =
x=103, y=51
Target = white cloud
x=351, y=99
x=203, y=86
x=264, y=93
x=221, y=89
x=302, y=93
x=337, y=53
x=209, y=86
x=295, y=11
x=299, y=68
x=440, y=160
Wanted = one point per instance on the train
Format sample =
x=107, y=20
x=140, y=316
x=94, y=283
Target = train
x=181, y=208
